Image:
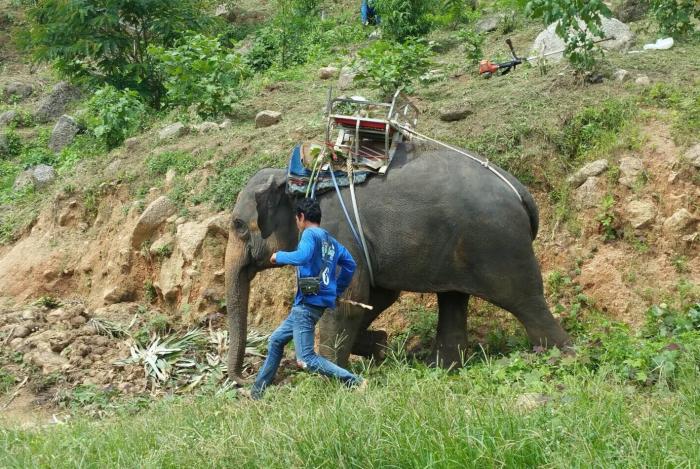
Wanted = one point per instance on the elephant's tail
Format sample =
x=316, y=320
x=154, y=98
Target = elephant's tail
x=532, y=211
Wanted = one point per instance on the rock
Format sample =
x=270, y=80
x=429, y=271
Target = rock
x=77, y=321
x=531, y=401
x=346, y=80
x=57, y=315
x=23, y=180
x=18, y=90
x=643, y=80
x=267, y=118
x=630, y=169
x=159, y=244
x=113, y=169
x=118, y=294
x=205, y=127
x=7, y=117
x=29, y=315
x=325, y=73
x=176, y=130
x=451, y=115
x=488, y=23
x=548, y=40
x=55, y=103
x=170, y=278
x=591, y=169
x=63, y=133
x=170, y=176
x=21, y=331
x=219, y=224
x=589, y=193
x=640, y=213
x=692, y=156
x=226, y=11
x=43, y=357
x=225, y=124
x=621, y=75
x=190, y=237
x=630, y=10
x=155, y=214
x=376, y=34
x=680, y=222
x=43, y=175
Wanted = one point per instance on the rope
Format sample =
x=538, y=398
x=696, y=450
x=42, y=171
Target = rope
x=484, y=163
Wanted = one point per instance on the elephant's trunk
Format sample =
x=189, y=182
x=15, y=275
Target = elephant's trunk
x=237, y=291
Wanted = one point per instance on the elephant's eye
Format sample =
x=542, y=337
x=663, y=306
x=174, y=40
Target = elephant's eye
x=240, y=227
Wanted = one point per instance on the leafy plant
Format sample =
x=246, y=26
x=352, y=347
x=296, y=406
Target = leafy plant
x=389, y=66
x=182, y=162
x=48, y=302
x=107, y=41
x=199, y=72
x=472, y=44
x=114, y=115
x=7, y=381
x=606, y=218
x=403, y=19
x=149, y=291
x=577, y=23
x=10, y=144
x=675, y=17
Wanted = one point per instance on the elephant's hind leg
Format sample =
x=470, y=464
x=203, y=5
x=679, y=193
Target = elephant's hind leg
x=542, y=328
x=451, y=338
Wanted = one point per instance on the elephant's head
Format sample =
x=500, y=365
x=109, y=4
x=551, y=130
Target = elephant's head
x=262, y=223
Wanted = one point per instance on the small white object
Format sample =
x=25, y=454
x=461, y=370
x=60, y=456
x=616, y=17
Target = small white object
x=660, y=44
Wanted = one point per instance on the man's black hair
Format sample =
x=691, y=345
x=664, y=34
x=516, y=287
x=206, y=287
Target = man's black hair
x=310, y=208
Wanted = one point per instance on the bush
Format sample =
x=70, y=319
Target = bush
x=472, y=44
x=180, y=161
x=223, y=190
x=580, y=49
x=114, y=115
x=675, y=17
x=10, y=144
x=390, y=66
x=106, y=41
x=199, y=72
x=403, y=19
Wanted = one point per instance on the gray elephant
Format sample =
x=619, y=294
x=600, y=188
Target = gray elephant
x=436, y=222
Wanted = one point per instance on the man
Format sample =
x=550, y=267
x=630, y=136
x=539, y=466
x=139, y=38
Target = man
x=316, y=259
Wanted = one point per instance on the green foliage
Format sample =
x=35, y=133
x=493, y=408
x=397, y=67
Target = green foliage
x=580, y=49
x=665, y=321
x=607, y=223
x=675, y=17
x=182, y=162
x=422, y=324
x=12, y=146
x=455, y=12
x=199, y=72
x=403, y=19
x=114, y=115
x=149, y=291
x=473, y=42
x=7, y=381
x=106, y=41
x=48, y=302
x=389, y=66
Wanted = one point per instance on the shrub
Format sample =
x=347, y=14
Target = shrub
x=675, y=17
x=199, y=72
x=114, y=115
x=472, y=44
x=393, y=65
x=10, y=144
x=180, y=161
x=578, y=37
x=106, y=41
x=223, y=189
x=402, y=19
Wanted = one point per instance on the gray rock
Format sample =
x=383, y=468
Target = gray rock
x=548, y=40
x=267, y=118
x=190, y=237
x=7, y=117
x=160, y=243
x=621, y=75
x=589, y=193
x=56, y=102
x=630, y=169
x=155, y=215
x=23, y=179
x=376, y=34
x=451, y=115
x=591, y=169
x=176, y=130
x=346, y=80
x=692, y=156
x=43, y=175
x=22, y=331
x=680, y=222
x=488, y=23
x=225, y=124
x=643, y=80
x=325, y=73
x=226, y=11
x=631, y=10
x=640, y=213
x=205, y=127
x=63, y=133
x=18, y=90
x=113, y=169
x=132, y=143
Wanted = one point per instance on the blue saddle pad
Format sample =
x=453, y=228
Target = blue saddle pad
x=298, y=176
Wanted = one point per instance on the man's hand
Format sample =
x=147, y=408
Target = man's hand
x=273, y=258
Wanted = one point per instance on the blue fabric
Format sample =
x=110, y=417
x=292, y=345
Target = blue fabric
x=298, y=176
x=299, y=326
x=317, y=248
x=368, y=14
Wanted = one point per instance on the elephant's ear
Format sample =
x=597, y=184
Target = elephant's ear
x=268, y=198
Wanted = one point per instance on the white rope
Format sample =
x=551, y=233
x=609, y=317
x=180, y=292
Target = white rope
x=357, y=219
x=484, y=163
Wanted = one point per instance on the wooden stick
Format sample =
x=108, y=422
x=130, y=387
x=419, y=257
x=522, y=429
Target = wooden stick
x=356, y=303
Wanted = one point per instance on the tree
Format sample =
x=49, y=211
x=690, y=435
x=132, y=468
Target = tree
x=107, y=41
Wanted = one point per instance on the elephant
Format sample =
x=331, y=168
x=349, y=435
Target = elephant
x=437, y=222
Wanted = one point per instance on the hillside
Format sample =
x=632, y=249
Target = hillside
x=134, y=237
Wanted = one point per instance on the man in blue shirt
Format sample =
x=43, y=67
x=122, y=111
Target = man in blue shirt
x=317, y=255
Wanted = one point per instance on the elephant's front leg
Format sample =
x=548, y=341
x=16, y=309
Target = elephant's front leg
x=451, y=338
x=373, y=343
x=338, y=331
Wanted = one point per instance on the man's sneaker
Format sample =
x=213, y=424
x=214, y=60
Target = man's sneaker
x=251, y=394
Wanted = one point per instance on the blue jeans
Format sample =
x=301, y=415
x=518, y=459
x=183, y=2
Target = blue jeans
x=299, y=326
x=368, y=14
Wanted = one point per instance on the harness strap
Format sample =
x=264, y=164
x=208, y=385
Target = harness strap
x=345, y=210
x=363, y=242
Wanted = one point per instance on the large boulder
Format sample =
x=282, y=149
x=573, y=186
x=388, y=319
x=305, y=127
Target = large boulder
x=548, y=40
x=324, y=73
x=18, y=90
x=267, y=118
x=155, y=215
x=454, y=114
x=640, y=213
x=680, y=222
x=692, y=156
x=346, y=80
x=488, y=23
x=630, y=170
x=591, y=169
x=189, y=237
x=588, y=195
x=173, y=131
x=43, y=175
x=63, y=133
x=56, y=102
x=8, y=117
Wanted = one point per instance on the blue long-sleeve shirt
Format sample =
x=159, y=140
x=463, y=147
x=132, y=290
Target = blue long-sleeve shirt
x=315, y=247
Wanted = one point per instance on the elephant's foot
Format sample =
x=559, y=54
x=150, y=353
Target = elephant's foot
x=541, y=327
x=371, y=343
x=447, y=357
